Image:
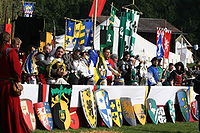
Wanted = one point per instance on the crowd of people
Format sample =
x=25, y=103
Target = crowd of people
x=77, y=67
x=89, y=67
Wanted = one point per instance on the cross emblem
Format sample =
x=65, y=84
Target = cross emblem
x=112, y=105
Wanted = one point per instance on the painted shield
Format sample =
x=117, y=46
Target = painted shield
x=28, y=113
x=127, y=111
x=103, y=104
x=89, y=106
x=161, y=115
x=152, y=110
x=43, y=112
x=140, y=113
x=60, y=96
x=183, y=104
x=74, y=120
x=116, y=111
x=194, y=110
x=172, y=113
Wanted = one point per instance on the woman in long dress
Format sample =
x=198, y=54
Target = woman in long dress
x=11, y=117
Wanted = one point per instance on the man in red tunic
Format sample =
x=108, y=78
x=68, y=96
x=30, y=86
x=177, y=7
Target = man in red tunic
x=11, y=117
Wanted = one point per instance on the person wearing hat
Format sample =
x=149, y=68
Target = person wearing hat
x=153, y=73
x=86, y=70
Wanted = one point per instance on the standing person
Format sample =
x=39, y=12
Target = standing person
x=166, y=74
x=11, y=117
x=177, y=76
x=16, y=43
x=153, y=73
x=160, y=70
x=107, y=62
x=125, y=68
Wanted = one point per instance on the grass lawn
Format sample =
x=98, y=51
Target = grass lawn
x=181, y=127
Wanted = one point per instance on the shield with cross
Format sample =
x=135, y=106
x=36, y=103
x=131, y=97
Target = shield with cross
x=60, y=97
x=116, y=111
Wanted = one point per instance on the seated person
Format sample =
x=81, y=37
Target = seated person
x=57, y=69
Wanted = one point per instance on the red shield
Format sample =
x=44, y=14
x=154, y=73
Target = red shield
x=43, y=112
x=28, y=113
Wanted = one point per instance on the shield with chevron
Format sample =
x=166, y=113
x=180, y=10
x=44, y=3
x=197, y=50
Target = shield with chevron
x=116, y=111
x=104, y=106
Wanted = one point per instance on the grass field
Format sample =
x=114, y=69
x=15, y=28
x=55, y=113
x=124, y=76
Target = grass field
x=181, y=127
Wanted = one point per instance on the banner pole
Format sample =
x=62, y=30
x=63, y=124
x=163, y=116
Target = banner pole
x=95, y=21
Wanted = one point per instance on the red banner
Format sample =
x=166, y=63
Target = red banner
x=100, y=7
x=166, y=46
x=8, y=28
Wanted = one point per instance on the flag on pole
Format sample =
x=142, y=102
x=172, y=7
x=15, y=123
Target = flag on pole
x=112, y=17
x=100, y=7
x=88, y=38
x=121, y=45
x=69, y=33
x=79, y=33
x=8, y=28
x=110, y=31
x=134, y=27
x=166, y=46
x=159, y=42
x=28, y=8
x=127, y=32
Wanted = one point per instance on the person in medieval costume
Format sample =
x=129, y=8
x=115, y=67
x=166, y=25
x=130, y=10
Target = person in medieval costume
x=11, y=117
x=153, y=73
x=177, y=77
x=86, y=68
x=73, y=63
x=105, y=67
x=43, y=59
x=57, y=69
x=126, y=69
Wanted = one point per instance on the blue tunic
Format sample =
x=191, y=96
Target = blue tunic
x=155, y=73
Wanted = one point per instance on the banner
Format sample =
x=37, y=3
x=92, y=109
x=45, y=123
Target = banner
x=134, y=27
x=28, y=8
x=100, y=7
x=110, y=31
x=8, y=28
x=69, y=33
x=159, y=42
x=79, y=34
x=167, y=39
x=88, y=38
x=129, y=19
x=121, y=45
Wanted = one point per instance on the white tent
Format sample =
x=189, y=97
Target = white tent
x=182, y=49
